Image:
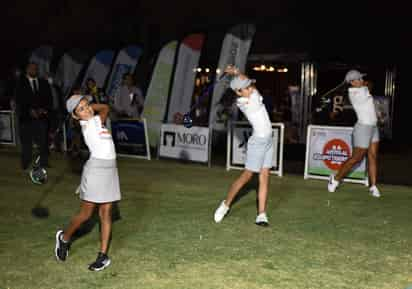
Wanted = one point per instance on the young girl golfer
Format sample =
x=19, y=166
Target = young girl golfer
x=99, y=182
x=259, y=155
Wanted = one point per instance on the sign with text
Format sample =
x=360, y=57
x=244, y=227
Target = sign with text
x=327, y=148
x=130, y=137
x=179, y=142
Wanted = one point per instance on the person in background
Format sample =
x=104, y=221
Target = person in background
x=128, y=100
x=96, y=93
x=33, y=103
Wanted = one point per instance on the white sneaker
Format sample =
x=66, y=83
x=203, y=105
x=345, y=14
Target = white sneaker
x=374, y=192
x=221, y=212
x=332, y=184
x=262, y=220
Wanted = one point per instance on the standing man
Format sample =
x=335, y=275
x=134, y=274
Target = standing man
x=128, y=101
x=365, y=133
x=33, y=99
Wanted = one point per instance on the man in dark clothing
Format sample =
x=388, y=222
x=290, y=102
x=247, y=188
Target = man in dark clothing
x=33, y=100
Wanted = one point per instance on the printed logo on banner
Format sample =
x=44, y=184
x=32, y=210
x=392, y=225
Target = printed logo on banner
x=182, y=143
x=121, y=136
x=334, y=153
x=183, y=139
x=169, y=138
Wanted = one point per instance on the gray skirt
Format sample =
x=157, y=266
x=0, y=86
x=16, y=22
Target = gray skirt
x=100, y=181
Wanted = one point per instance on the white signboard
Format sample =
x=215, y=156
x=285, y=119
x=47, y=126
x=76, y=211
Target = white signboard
x=238, y=137
x=179, y=142
x=327, y=148
x=7, y=135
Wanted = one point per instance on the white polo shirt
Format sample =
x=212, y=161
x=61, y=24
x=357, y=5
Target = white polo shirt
x=362, y=102
x=256, y=114
x=98, y=139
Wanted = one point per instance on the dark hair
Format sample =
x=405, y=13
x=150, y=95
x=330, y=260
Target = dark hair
x=90, y=79
x=31, y=63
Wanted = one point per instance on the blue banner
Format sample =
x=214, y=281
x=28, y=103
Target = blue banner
x=129, y=137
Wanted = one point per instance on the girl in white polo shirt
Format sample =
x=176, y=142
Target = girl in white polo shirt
x=100, y=181
x=365, y=133
x=259, y=155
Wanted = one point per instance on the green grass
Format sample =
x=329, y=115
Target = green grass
x=167, y=239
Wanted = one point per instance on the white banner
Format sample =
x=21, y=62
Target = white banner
x=42, y=56
x=7, y=132
x=156, y=97
x=327, y=148
x=238, y=137
x=179, y=142
x=184, y=78
x=235, y=49
x=125, y=62
x=67, y=72
x=99, y=67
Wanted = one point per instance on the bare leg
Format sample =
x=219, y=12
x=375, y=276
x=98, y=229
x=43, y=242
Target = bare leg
x=86, y=210
x=105, y=213
x=242, y=180
x=263, y=189
x=373, y=162
x=357, y=156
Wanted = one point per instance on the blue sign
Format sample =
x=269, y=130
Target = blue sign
x=129, y=137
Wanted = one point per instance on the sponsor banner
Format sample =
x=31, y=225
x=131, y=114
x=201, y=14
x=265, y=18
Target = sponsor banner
x=125, y=62
x=158, y=91
x=7, y=134
x=235, y=49
x=185, y=73
x=327, y=149
x=129, y=137
x=179, y=142
x=67, y=72
x=99, y=67
x=42, y=56
x=239, y=144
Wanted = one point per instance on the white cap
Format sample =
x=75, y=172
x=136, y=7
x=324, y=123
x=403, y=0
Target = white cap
x=353, y=75
x=73, y=102
x=240, y=83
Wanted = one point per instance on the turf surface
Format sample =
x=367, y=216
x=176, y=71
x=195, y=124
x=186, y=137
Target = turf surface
x=166, y=237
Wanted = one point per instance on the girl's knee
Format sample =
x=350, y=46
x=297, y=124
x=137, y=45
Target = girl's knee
x=105, y=212
x=372, y=155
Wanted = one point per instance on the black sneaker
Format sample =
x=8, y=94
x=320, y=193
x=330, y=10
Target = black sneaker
x=62, y=248
x=101, y=262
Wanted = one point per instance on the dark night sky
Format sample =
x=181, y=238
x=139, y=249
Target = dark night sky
x=364, y=29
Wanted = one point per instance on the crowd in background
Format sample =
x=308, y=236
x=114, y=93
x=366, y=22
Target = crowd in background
x=40, y=109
